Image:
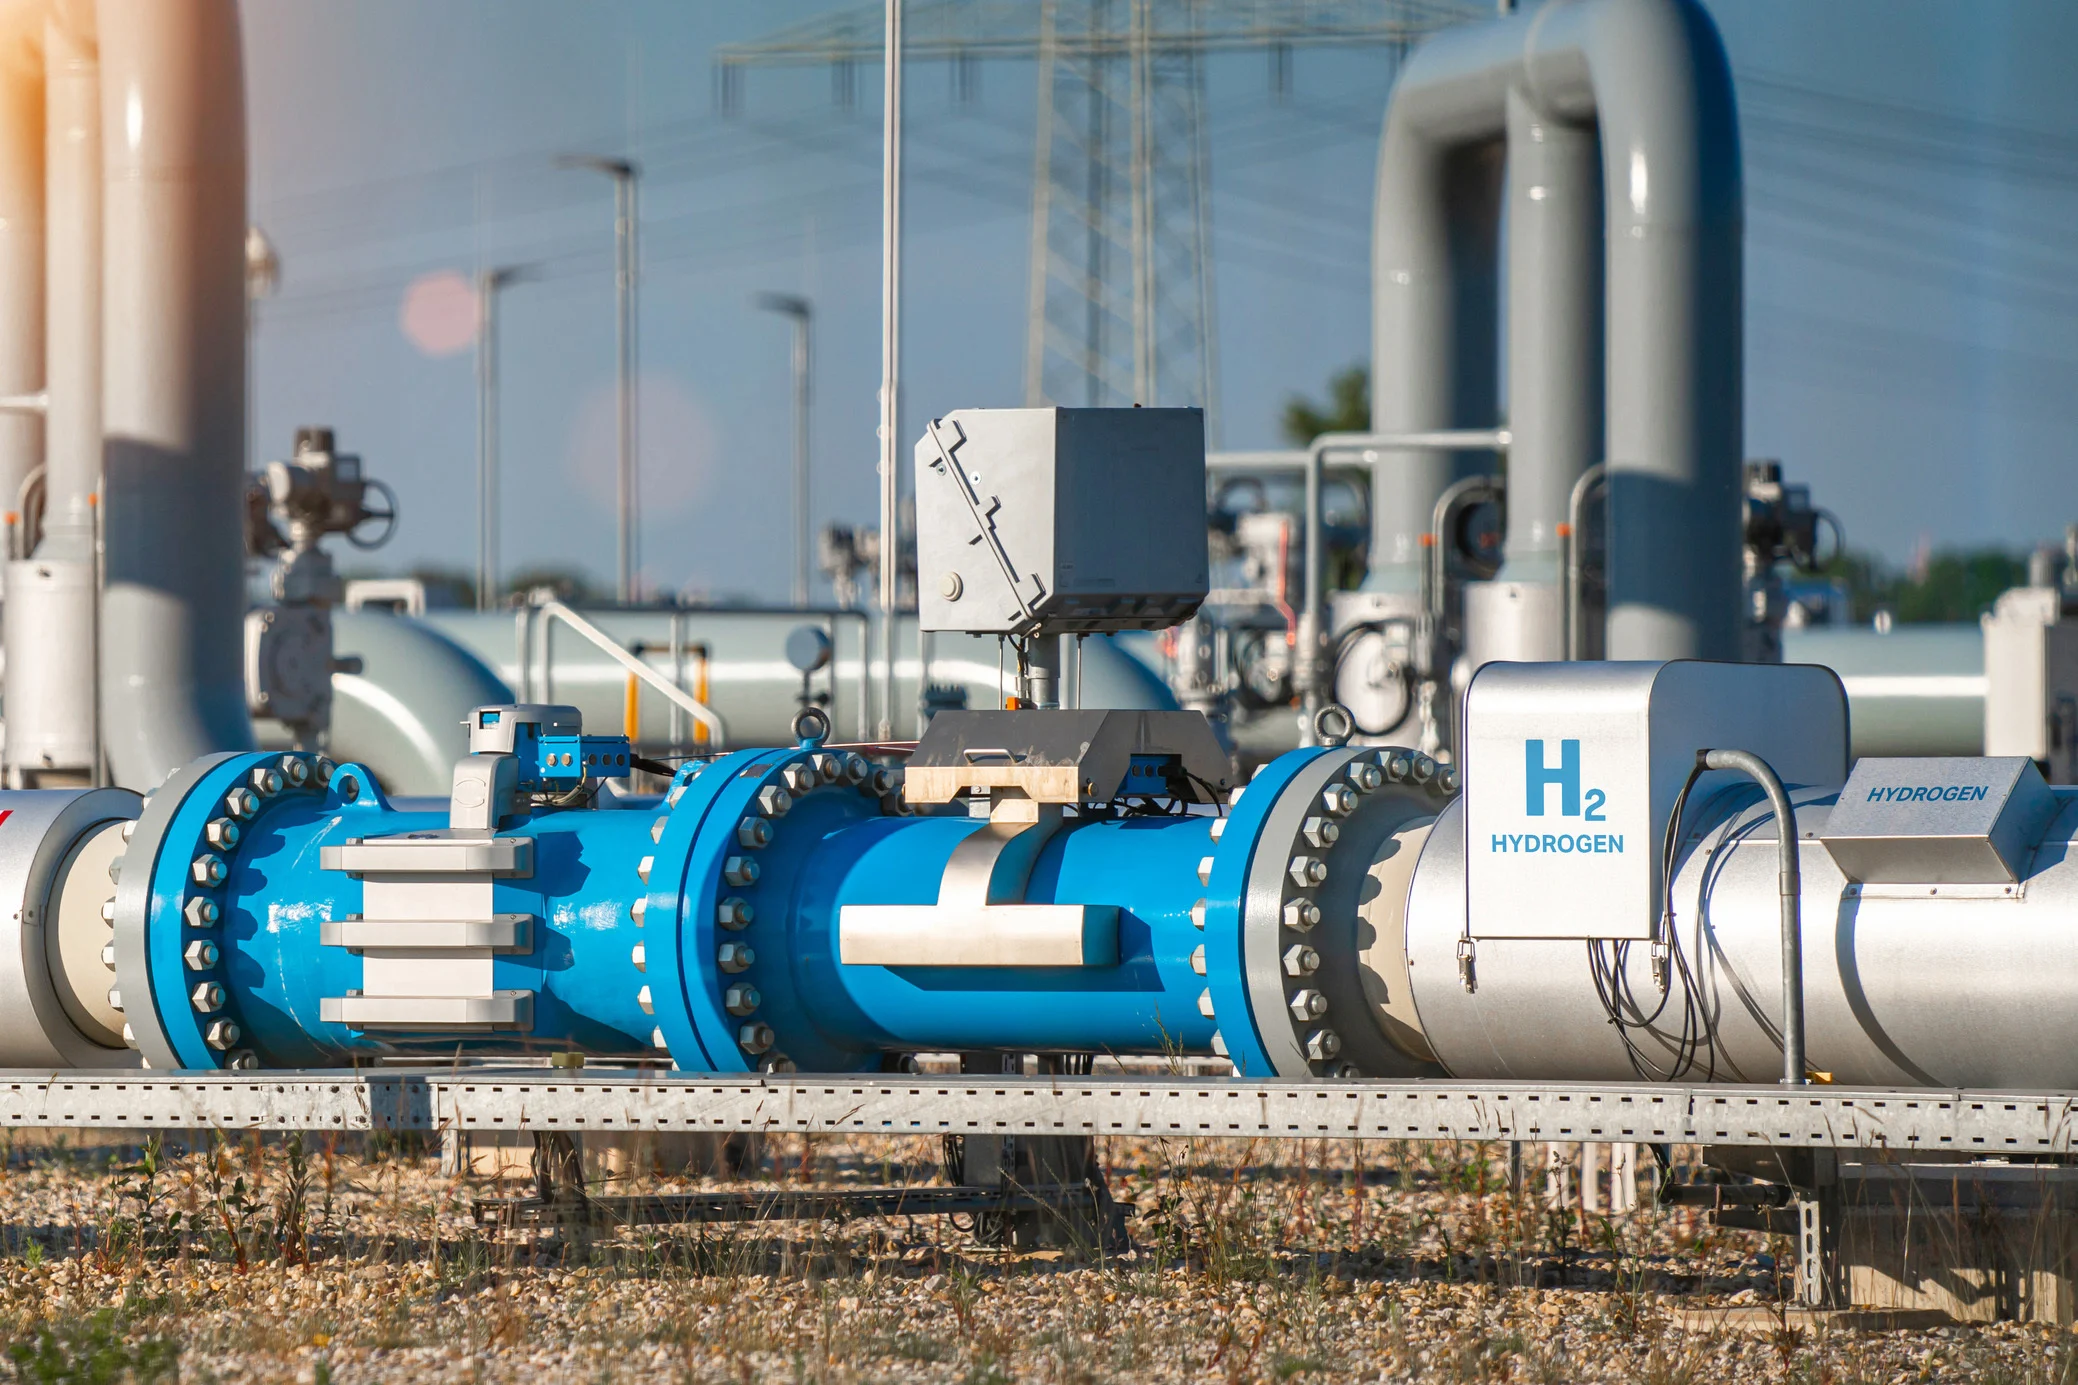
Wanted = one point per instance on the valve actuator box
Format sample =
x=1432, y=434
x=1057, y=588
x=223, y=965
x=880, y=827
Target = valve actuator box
x=1061, y=521
x=1572, y=769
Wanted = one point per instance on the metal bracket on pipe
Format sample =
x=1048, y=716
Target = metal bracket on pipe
x=979, y=919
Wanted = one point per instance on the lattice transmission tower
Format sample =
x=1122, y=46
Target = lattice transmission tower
x=1121, y=307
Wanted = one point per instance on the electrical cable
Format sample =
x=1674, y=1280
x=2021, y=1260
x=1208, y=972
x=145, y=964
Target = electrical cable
x=1608, y=966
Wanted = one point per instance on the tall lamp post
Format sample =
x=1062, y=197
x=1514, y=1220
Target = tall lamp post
x=489, y=283
x=626, y=175
x=800, y=312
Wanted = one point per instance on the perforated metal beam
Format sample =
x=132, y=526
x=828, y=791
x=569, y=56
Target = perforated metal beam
x=1982, y=1123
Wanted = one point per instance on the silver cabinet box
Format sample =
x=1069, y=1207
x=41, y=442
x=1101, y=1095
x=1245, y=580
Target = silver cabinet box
x=1061, y=521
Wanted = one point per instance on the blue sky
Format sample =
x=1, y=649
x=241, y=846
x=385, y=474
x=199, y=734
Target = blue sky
x=1911, y=333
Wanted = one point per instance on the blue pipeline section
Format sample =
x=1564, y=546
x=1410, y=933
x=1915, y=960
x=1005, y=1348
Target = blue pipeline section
x=704, y=928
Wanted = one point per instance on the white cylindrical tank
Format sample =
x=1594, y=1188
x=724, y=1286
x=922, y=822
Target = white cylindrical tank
x=1922, y=986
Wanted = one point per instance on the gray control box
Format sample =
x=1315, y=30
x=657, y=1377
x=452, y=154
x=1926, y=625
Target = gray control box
x=1061, y=521
x=1939, y=820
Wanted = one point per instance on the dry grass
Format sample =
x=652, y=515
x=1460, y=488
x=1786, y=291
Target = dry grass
x=1285, y=1261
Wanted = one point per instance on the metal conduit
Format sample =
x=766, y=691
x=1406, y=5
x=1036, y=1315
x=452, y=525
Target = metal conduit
x=1792, y=886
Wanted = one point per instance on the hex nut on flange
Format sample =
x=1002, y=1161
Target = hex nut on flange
x=734, y=913
x=741, y=999
x=755, y=1038
x=207, y=996
x=774, y=801
x=1365, y=776
x=266, y=781
x=241, y=804
x=202, y=913
x=295, y=770
x=221, y=1034
x=753, y=833
x=1301, y=914
x=738, y=870
x=1323, y=1044
x=1205, y=1003
x=1338, y=800
x=1300, y=960
x=1308, y=1004
x=799, y=778
x=639, y=955
x=648, y=1004
x=1321, y=832
x=1308, y=870
x=208, y=869
x=221, y=833
x=200, y=955
x=735, y=957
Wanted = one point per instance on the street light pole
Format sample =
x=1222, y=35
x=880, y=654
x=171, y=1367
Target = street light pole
x=890, y=358
x=626, y=176
x=800, y=312
x=489, y=283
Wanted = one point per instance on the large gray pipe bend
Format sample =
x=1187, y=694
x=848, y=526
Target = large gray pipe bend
x=1914, y=986
x=1651, y=75
x=173, y=123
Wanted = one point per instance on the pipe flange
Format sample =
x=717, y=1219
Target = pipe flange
x=1307, y=831
x=178, y=996
x=718, y=945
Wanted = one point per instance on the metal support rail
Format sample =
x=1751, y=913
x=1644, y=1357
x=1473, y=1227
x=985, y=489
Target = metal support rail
x=556, y=610
x=786, y=1204
x=1907, y=1120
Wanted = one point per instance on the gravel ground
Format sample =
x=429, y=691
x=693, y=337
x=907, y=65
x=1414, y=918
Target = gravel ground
x=1270, y=1262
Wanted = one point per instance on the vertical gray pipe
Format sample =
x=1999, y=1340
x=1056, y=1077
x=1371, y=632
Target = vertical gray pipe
x=1554, y=330
x=21, y=238
x=1651, y=76
x=73, y=265
x=1435, y=288
x=173, y=122
x=1670, y=148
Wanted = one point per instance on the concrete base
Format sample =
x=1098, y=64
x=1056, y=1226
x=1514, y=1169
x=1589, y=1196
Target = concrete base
x=503, y=1154
x=1975, y=1242
x=1765, y=1319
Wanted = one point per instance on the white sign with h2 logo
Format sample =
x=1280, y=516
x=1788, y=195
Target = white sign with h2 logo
x=1571, y=770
